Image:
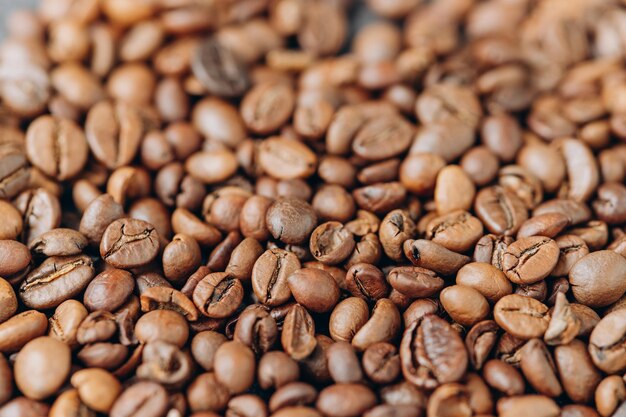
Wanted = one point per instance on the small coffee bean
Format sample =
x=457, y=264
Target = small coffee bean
x=277, y=369
x=218, y=69
x=395, y=228
x=447, y=198
x=109, y=290
x=164, y=325
x=12, y=225
x=597, y=278
x=480, y=340
x=270, y=273
x=382, y=326
x=41, y=367
x=286, y=159
x=181, y=257
x=298, y=336
x=521, y=316
x=197, y=398
x=129, y=243
x=41, y=212
x=457, y=231
x=343, y=363
x=430, y=255
x=530, y=259
x=428, y=360
x=57, y=279
x=367, y=282
x=314, y=289
x=347, y=318
x=380, y=198
x=503, y=377
x=538, y=405
x=164, y=298
x=578, y=374
x=414, y=282
x=99, y=214
x=500, y=210
x=97, y=388
x=572, y=248
x=291, y=220
x=218, y=295
x=609, y=393
x=14, y=257
x=538, y=368
x=486, y=279
x=331, y=243
x=292, y=394
x=256, y=328
x=465, y=305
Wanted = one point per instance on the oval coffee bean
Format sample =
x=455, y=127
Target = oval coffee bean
x=530, y=259
x=129, y=243
x=521, y=316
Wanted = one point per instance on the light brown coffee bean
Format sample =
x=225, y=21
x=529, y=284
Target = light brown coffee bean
x=521, y=316
x=531, y=259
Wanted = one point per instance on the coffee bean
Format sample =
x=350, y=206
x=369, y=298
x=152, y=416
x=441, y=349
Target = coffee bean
x=277, y=369
x=486, y=279
x=218, y=295
x=609, y=393
x=605, y=348
x=465, y=305
x=290, y=220
x=97, y=388
x=503, y=377
x=41, y=212
x=480, y=340
x=12, y=226
x=529, y=260
x=432, y=353
x=345, y=400
x=395, y=228
x=218, y=69
x=270, y=273
x=314, y=289
x=347, y=318
x=597, y=278
x=181, y=257
x=457, y=231
x=59, y=242
x=143, y=399
x=41, y=367
x=196, y=393
x=267, y=106
x=331, y=243
x=164, y=325
x=292, y=394
x=380, y=198
x=129, y=243
x=382, y=326
x=381, y=363
x=427, y=254
x=164, y=298
x=395, y=132
x=14, y=257
x=56, y=146
x=298, y=333
x=572, y=248
x=521, y=316
x=284, y=158
x=539, y=369
x=57, y=279
x=414, y=282
x=109, y=290
x=573, y=359
x=99, y=214
x=500, y=210
x=538, y=405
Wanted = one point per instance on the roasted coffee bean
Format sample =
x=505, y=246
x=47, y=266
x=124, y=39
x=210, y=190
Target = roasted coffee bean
x=218, y=69
x=57, y=279
x=366, y=281
x=380, y=198
x=486, y=279
x=597, y=279
x=181, y=257
x=539, y=369
x=41, y=367
x=286, y=159
x=291, y=220
x=243, y=258
x=530, y=259
x=104, y=355
x=129, y=243
x=347, y=318
x=165, y=363
x=345, y=400
x=21, y=329
x=219, y=257
x=12, y=226
x=142, y=399
x=343, y=363
x=97, y=388
x=218, y=295
x=292, y=394
x=298, y=333
x=109, y=290
x=571, y=248
x=518, y=406
x=430, y=255
x=381, y=363
x=270, y=273
x=500, y=210
x=59, y=242
x=99, y=214
x=577, y=372
x=395, y=228
x=521, y=316
x=457, y=231
x=414, y=282
x=164, y=298
x=480, y=340
x=432, y=353
x=197, y=398
x=465, y=305
x=503, y=377
x=41, y=212
x=277, y=369
x=314, y=289
x=256, y=328
x=56, y=146
x=164, y=325
x=331, y=243
x=609, y=393
x=606, y=345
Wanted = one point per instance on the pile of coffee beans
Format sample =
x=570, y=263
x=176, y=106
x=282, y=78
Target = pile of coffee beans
x=253, y=208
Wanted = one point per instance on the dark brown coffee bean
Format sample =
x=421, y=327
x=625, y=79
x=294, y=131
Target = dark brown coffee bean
x=521, y=316
x=486, y=279
x=367, y=282
x=59, y=242
x=531, y=259
x=219, y=257
x=610, y=202
x=104, y=355
x=57, y=279
x=129, y=243
x=298, y=333
x=548, y=225
x=343, y=363
x=414, y=282
x=381, y=363
x=347, y=318
x=252, y=217
x=99, y=214
x=500, y=210
x=432, y=353
x=165, y=363
x=270, y=273
x=218, y=69
x=109, y=290
x=218, y=295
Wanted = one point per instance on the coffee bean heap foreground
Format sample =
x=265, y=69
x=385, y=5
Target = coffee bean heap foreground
x=229, y=208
